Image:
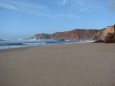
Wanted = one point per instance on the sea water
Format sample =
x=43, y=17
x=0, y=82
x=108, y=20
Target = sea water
x=6, y=44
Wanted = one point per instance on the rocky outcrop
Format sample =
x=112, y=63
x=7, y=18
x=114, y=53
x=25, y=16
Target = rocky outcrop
x=107, y=35
x=109, y=29
x=110, y=38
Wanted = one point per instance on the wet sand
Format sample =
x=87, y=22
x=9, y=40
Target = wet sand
x=87, y=64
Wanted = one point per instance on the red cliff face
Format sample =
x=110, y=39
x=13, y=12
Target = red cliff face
x=76, y=34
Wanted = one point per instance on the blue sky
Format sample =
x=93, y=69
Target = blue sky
x=23, y=18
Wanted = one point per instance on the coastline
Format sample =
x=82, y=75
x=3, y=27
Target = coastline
x=81, y=64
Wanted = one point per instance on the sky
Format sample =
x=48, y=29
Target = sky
x=24, y=18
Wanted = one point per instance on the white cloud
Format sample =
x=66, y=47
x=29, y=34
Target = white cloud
x=89, y=6
x=64, y=15
x=62, y=2
x=21, y=6
x=54, y=15
x=85, y=9
x=7, y=5
x=82, y=5
x=38, y=10
x=30, y=6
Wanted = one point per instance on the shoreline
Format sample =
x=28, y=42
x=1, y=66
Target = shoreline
x=18, y=47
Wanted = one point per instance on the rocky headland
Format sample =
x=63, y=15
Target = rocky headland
x=77, y=34
x=106, y=35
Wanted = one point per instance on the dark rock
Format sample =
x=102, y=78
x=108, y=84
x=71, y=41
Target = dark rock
x=99, y=41
x=110, y=38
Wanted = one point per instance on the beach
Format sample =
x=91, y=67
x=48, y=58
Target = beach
x=82, y=64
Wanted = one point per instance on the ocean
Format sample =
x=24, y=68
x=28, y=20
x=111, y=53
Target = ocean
x=7, y=44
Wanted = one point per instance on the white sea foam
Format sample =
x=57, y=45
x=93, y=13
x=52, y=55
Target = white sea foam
x=28, y=43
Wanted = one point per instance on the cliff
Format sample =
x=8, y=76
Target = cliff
x=78, y=34
x=109, y=34
x=103, y=32
x=106, y=35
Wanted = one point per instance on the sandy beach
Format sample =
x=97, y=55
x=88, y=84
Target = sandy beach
x=86, y=64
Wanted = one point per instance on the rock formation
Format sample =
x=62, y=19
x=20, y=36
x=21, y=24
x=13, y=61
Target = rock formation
x=109, y=35
x=109, y=29
x=78, y=34
x=110, y=38
x=106, y=35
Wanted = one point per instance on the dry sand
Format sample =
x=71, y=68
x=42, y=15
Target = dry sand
x=88, y=64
